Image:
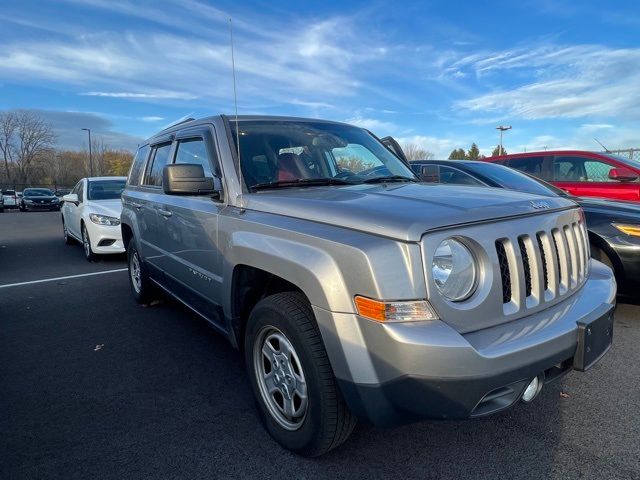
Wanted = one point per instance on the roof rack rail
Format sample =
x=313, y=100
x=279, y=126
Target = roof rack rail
x=186, y=118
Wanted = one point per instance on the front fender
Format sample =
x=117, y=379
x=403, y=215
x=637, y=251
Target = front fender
x=310, y=268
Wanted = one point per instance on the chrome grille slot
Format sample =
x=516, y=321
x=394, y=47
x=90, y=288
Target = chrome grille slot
x=573, y=254
x=537, y=268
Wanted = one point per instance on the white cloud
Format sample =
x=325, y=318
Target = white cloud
x=440, y=147
x=151, y=119
x=274, y=62
x=379, y=127
x=564, y=82
x=156, y=94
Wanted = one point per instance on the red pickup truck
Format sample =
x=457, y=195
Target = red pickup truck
x=583, y=174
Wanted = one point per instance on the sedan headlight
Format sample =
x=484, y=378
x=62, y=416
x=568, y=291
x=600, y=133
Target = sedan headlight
x=104, y=220
x=454, y=270
x=55, y=200
x=26, y=200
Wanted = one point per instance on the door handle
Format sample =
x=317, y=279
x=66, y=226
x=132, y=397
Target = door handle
x=164, y=213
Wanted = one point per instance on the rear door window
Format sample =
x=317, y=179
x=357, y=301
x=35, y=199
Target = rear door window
x=137, y=166
x=155, y=166
x=581, y=169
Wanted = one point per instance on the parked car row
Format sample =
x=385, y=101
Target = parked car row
x=354, y=287
x=31, y=199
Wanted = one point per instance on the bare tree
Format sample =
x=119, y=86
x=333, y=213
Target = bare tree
x=414, y=152
x=8, y=126
x=27, y=141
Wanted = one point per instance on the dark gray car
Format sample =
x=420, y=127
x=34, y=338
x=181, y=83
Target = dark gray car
x=354, y=290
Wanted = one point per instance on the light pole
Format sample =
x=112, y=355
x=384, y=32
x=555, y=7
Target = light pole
x=502, y=128
x=91, y=162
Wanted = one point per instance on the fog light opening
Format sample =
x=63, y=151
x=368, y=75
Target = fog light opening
x=532, y=389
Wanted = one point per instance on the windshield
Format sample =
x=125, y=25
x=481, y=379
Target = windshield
x=37, y=192
x=512, y=179
x=291, y=153
x=105, y=189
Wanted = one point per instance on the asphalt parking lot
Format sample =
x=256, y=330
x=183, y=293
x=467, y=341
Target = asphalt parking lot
x=93, y=385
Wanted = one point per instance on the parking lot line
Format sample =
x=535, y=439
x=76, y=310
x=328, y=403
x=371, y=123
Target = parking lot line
x=62, y=278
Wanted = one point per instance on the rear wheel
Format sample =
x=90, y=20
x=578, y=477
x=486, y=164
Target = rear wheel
x=141, y=285
x=292, y=380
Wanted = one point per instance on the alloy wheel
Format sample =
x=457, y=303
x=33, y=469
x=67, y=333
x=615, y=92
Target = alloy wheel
x=280, y=378
x=134, y=271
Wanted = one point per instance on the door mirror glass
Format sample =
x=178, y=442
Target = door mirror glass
x=622, y=175
x=71, y=198
x=188, y=179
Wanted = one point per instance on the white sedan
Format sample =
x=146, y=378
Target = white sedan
x=91, y=215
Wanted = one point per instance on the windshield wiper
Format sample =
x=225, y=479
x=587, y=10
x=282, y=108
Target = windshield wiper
x=300, y=182
x=390, y=178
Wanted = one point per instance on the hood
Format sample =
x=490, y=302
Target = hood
x=609, y=206
x=111, y=208
x=401, y=211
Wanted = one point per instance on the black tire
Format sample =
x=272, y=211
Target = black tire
x=327, y=422
x=86, y=245
x=144, y=291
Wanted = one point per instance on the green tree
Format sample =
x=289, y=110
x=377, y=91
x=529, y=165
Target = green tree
x=457, y=154
x=473, y=153
x=496, y=151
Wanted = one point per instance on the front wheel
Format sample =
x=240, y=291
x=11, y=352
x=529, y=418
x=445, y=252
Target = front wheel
x=65, y=233
x=86, y=245
x=292, y=380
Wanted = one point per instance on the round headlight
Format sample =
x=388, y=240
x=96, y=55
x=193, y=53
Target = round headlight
x=454, y=270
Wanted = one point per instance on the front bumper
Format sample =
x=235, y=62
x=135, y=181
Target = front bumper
x=32, y=207
x=105, y=239
x=403, y=372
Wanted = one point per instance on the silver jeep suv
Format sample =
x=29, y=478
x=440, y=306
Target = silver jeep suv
x=352, y=289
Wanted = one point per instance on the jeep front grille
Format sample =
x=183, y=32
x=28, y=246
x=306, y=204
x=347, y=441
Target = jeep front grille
x=537, y=270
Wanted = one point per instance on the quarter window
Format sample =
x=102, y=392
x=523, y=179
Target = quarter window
x=160, y=157
x=194, y=150
x=137, y=166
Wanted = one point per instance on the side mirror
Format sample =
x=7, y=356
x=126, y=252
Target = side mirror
x=188, y=179
x=623, y=174
x=430, y=173
x=71, y=198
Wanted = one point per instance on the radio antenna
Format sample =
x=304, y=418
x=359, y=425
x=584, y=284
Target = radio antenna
x=605, y=148
x=235, y=103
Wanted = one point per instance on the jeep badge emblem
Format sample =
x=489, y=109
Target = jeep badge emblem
x=539, y=205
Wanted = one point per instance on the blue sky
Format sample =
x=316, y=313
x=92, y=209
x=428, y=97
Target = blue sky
x=438, y=73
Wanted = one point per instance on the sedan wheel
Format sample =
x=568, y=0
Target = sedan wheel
x=86, y=245
x=65, y=232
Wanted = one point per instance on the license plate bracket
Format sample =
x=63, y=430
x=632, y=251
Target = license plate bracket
x=594, y=340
